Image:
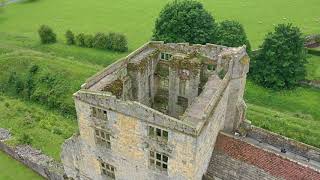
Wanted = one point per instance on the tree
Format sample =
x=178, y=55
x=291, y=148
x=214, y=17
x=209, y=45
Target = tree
x=47, y=35
x=232, y=34
x=100, y=40
x=117, y=42
x=280, y=63
x=185, y=21
x=70, y=37
x=80, y=40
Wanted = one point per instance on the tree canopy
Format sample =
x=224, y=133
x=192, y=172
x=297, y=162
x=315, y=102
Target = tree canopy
x=185, y=21
x=280, y=62
x=232, y=34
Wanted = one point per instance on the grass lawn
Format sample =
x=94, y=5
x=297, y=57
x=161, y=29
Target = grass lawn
x=11, y=169
x=47, y=129
x=136, y=18
x=313, y=67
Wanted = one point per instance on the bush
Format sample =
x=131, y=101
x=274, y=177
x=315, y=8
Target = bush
x=70, y=37
x=116, y=42
x=46, y=34
x=185, y=21
x=232, y=34
x=280, y=64
x=100, y=41
x=88, y=41
x=25, y=139
x=80, y=40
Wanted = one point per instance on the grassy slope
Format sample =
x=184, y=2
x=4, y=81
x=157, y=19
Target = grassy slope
x=136, y=19
x=13, y=170
x=47, y=129
x=294, y=114
x=68, y=73
x=313, y=68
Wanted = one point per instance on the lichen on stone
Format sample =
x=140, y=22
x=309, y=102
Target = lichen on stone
x=115, y=88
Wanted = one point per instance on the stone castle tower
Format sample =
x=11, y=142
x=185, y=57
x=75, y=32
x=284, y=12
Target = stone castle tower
x=156, y=113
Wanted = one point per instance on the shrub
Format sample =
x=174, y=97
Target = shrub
x=80, y=40
x=185, y=21
x=88, y=41
x=116, y=42
x=119, y=43
x=232, y=34
x=100, y=40
x=280, y=64
x=46, y=34
x=70, y=37
x=25, y=139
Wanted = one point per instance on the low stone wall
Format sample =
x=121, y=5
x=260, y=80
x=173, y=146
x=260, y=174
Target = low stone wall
x=32, y=158
x=236, y=158
x=312, y=83
x=281, y=142
x=312, y=40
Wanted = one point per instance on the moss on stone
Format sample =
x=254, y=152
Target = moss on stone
x=187, y=64
x=115, y=88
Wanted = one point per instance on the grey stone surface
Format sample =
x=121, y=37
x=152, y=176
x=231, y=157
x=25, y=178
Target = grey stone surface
x=4, y=134
x=34, y=159
x=192, y=107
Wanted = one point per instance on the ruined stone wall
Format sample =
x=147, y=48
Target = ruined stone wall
x=207, y=138
x=281, y=142
x=42, y=164
x=235, y=158
x=130, y=147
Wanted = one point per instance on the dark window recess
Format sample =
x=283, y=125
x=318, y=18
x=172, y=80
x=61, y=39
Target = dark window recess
x=165, y=56
x=103, y=138
x=99, y=113
x=183, y=102
x=108, y=170
x=211, y=67
x=158, y=133
x=158, y=160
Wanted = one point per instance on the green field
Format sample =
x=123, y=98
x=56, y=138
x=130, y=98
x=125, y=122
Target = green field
x=136, y=19
x=292, y=113
x=11, y=169
x=313, y=67
x=47, y=129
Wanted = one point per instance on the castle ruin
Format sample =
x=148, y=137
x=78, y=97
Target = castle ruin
x=156, y=114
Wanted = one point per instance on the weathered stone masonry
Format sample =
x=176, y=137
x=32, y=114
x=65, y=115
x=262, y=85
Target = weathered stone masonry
x=156, y=113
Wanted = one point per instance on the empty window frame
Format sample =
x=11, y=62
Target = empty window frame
x=182, y=87
x=99, y=113
x=158, y=133
x=107, y=170
x=158, y=160
x=102, y=137
x=211, y=67
x=165, y=56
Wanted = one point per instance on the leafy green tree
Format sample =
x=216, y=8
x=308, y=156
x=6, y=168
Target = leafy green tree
x=117, y=42
x=88, y=40
x=47, y=35
x=70, y=37
x=185, y=21
x=100, y=40
x=232, y=34
x=281, y=62
x=80, y=40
